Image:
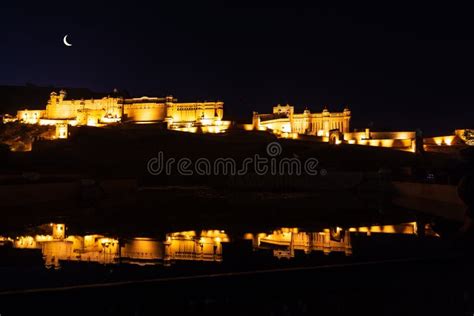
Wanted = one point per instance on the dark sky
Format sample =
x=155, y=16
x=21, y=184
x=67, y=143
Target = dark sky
x=396, y=67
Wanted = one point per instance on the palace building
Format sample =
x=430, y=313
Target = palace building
x=207, y=117
x=112, y=109
x=283, y=120
x=56, y=247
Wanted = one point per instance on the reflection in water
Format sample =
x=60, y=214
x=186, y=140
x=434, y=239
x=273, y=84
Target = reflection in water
x=188, y=245
x=5, y=241
x=191, y=246
x=285, y=241
x=142, y=251
x=406, y=229
x=56, y=246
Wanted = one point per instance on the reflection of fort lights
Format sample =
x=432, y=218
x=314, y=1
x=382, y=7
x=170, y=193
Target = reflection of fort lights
x=405, y=228
x=248, y=236
x=107, y=242
x=448, y=140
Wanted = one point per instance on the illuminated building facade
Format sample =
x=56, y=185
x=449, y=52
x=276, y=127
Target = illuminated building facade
x=283, y=120
x=206, y=245
x=143, y=110
x=189, y=246
x=55, y=246
x=206, y=117
x=285, y=241
x=400, y=140
x=403, y=140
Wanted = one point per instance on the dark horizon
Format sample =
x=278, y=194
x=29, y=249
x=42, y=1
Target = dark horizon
x=397, y=68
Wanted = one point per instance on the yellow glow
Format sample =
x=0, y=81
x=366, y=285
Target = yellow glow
x=188, y=246
x=59, y=231
x=292, y=239
x=25, y=242
x=441, y=140
x=106, y=241
x=111, y=110
x=448, y=140
x=248, y=127
x=187, y=234
x=143, y=249
x=248, y=236
x=286, y=135
x=405, y=228
x=387, y=142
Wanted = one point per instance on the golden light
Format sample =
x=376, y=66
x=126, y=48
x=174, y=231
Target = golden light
x=448, y=140
x=248, y=236
x=248, y=127
x=404, y=228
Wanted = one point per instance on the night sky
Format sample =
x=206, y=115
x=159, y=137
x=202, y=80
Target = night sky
x=395, y=67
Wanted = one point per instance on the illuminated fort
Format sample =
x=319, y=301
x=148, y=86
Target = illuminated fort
x=55, y=246
x=207, y=117
x=109, y=110
x=285, y=121
x=334, y=128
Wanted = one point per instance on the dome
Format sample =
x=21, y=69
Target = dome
x=326, y=111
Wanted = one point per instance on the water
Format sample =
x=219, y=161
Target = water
x=286, y=269
x=56, y=247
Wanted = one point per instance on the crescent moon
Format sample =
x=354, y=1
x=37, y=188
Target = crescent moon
x=65, y=41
